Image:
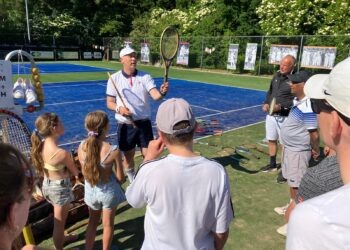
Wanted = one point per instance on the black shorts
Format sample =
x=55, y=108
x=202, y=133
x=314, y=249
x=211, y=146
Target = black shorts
x=130, y=137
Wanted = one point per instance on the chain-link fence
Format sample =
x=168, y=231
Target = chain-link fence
x=213, y=52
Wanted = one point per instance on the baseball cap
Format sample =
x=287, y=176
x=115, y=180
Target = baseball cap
x=126, y=51
x=173, y=111
x=301, y=76
x=333, y=87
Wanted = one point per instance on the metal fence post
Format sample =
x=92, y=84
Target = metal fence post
x=300, y=51
x=261, y=50
x=202, y=52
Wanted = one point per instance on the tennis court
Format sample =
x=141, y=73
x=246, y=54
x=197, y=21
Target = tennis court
x=232, y=107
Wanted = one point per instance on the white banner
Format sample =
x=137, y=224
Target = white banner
x=87, y=55
x=250, y=56
x=115, y=54
x=232, y=56
x=68, y=55
x=97, y=55
x=183, y=53
x=42, y=54
x=145, y=52
x=277, y=52
x=318, y=57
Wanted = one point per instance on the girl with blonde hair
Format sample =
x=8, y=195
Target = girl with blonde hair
x=55, y=165
x=102, y=185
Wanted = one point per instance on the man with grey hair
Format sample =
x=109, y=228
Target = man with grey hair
x=187, y=196
x=280, y=90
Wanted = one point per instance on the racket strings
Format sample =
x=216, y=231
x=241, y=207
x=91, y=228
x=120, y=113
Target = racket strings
x=13, y=132
x=169, y=43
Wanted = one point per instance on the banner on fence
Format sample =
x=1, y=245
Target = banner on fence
x=232, y=56
x=87, y=55
x=115, y=54
x=145, y=52
x=42, y=54
x=250, y=56
x=183, y=53
x=318, y=57
x=97, y=55
x=68, y=55
x=278, y=51
x=127, y=44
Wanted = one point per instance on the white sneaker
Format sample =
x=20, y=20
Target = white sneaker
x=29, y=92
x=283, y=229
x=281, y=210
x=18, y=91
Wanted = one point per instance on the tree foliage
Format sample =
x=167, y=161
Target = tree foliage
x=326, y=17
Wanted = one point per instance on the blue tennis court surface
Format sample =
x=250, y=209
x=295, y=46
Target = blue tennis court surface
x=47, y=68
x=232, y=107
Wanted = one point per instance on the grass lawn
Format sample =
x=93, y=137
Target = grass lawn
x=254, y=194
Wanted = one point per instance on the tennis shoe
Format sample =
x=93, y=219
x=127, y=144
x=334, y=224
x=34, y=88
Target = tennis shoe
x=29, y=92
x=280, y=179
x=281, y=210
x=18, y=91
x=283, y=230
x=268, y=168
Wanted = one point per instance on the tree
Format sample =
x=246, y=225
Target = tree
x=304, y=17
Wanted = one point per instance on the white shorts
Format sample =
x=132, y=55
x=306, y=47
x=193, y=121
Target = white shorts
x=273, y=126
x=294, y=165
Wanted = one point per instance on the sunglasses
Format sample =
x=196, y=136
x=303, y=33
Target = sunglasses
x=318, y=105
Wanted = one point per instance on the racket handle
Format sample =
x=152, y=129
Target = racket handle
x=166, y=74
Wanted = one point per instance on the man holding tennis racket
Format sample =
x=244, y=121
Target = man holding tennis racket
x=279, y=95
x=128, y=94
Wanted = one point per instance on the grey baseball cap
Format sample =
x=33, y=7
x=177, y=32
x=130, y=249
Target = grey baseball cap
x=173, y=111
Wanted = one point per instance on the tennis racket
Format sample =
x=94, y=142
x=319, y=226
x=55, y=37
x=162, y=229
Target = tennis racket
x=244, y=150
x=169, y=44
x=272, y=106
x=14, y=131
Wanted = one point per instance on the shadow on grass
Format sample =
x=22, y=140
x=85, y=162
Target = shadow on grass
x=234, y=161
x=131, y=232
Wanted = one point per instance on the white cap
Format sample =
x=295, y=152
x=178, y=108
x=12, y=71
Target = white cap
x=333, y=87
x=126, y=51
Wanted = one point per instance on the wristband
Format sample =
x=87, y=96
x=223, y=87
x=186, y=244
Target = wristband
x=117, y=109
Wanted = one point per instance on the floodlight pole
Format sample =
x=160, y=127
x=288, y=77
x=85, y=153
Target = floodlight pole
x=26, y=3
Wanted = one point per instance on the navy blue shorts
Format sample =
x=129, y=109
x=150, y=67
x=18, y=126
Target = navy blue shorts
x=130, y=137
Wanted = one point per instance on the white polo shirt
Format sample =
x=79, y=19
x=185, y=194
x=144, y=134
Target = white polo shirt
x=135, y=93
x=187, y=199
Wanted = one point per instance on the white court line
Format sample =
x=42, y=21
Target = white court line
x=215, y=110
x=73, y=85
x=62, y=103
x=245, y=126
x=230, y=111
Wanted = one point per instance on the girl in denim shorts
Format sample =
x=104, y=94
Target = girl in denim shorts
x=102, y=185
x=55, y=165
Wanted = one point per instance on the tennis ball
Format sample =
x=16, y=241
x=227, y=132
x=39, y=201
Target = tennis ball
x=35, y=70
x=36, y=78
